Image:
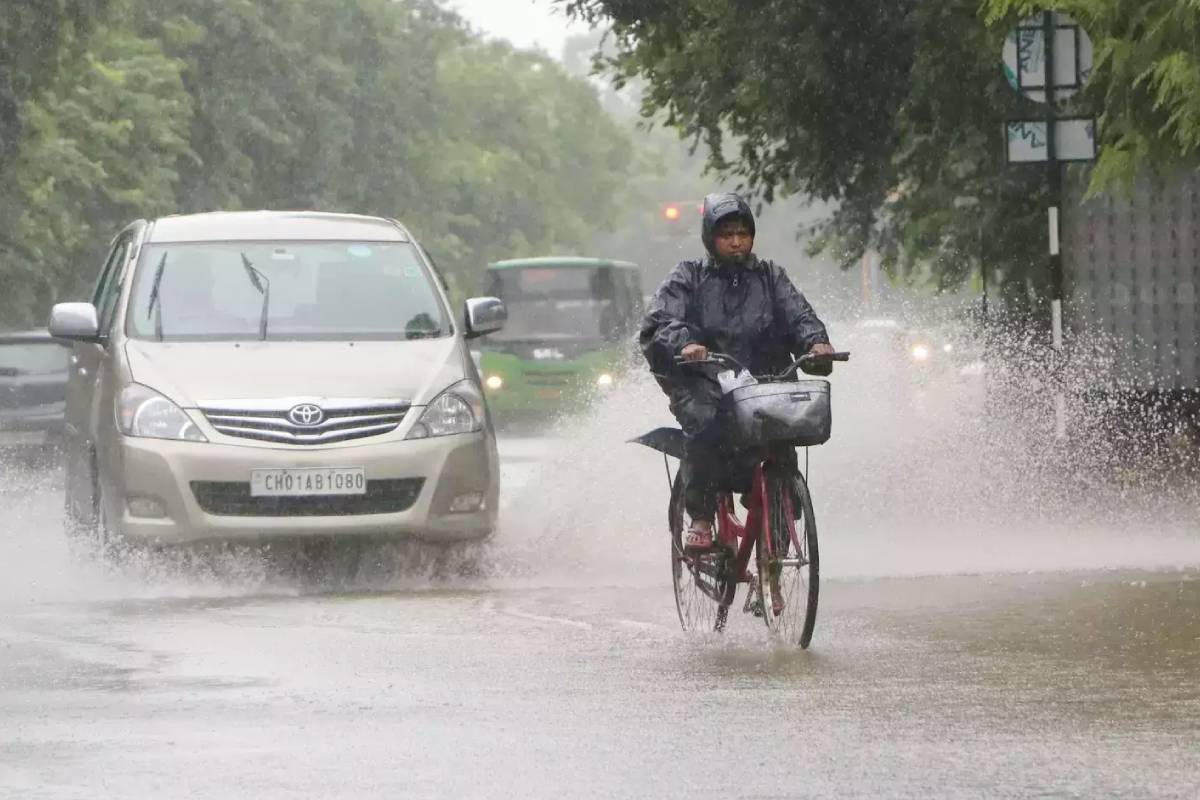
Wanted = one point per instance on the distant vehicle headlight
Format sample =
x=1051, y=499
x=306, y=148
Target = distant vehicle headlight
x=494, y=382
x=920, y=352
x=459, y=409
x=145, y=413
x=604, y=380
x=947, y=348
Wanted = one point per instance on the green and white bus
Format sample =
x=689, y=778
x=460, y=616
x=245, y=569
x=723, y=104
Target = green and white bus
x=571, y=322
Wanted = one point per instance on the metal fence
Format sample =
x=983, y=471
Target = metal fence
x=1132, y=270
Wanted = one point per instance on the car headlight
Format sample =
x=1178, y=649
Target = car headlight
x=920, y=352
x=604, y=380
x=143, y=412
x=459, y=409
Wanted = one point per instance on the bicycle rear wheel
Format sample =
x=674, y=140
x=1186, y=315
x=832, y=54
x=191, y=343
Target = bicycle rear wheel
x=788, y=563
x=703, y=588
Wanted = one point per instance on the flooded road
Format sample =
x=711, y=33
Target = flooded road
x=1063, y=685
x=961, y=650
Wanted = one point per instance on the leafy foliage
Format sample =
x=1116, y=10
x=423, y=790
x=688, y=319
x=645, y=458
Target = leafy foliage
x=369, y=106
x=36, y=41
x=1146, y=80
x=100, y=149
x=892, y=111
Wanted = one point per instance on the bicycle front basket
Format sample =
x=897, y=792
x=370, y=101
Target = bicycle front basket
x=795, y=413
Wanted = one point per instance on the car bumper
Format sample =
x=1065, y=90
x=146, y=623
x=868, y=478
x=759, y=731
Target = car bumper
x=170, y=492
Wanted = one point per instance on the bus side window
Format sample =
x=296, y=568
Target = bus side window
x=607, y=286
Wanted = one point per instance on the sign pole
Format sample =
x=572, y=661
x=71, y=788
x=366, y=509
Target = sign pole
x=983, y=265
x=1054, y=184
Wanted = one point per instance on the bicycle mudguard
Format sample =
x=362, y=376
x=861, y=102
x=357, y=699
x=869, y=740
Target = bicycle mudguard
x=664, y=440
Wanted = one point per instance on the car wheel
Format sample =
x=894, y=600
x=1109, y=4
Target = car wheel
x=75, y=527
x=106, y=539
x=462, y=560
x=102, y=529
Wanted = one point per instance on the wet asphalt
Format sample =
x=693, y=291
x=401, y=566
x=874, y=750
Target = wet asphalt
x=964, y=648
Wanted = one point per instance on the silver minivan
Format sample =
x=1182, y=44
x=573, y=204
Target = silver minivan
x=260, y=374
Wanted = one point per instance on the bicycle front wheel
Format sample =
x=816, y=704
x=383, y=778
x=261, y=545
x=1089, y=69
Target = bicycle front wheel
x=788, y=562
x=703, y=588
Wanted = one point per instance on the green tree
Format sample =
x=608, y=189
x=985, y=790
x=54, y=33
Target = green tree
x=100, y=148
x=394, y=109
x=890, y=111
x=370, y=106
x=37, y=40
x=532, y=161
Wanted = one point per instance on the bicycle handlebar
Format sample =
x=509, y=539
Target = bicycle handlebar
x=726, y=360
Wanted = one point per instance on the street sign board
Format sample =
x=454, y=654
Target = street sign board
x=1075, y=140
x=1025, y=57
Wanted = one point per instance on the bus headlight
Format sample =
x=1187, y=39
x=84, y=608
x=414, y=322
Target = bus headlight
x=494, y=382
x=604, y=380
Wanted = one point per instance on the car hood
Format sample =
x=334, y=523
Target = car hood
x=202, y=374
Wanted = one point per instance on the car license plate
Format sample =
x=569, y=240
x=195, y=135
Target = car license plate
x=22, y=438
x=310, y=482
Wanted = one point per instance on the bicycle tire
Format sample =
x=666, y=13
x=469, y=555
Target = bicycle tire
x=703, y=589
x=789, y=567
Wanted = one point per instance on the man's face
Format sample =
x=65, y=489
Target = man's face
x=733, y=240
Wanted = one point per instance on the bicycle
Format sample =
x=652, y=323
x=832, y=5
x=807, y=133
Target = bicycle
x=773, y=416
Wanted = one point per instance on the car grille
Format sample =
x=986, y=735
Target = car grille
x=234, y=500
x=341, y=423
x=558, y=350
x=550, y=379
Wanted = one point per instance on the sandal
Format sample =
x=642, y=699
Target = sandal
x=698, y=539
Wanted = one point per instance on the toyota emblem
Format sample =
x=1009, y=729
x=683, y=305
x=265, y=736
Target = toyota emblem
x=306, y=415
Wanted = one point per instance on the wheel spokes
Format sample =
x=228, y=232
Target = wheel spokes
x=699, y=591
x=786, y=576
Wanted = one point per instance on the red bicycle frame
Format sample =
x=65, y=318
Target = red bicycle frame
x=729, y=530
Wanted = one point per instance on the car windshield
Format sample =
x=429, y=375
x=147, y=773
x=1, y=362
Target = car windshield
x=32, y=358
x=556, y=303
x=284, y=290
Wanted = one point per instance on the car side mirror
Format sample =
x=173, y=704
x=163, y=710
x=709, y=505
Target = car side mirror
x=76, y=322
x=484, y=315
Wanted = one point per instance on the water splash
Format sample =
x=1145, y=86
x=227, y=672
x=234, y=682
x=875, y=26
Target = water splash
x=931, y=469
x=949, y=467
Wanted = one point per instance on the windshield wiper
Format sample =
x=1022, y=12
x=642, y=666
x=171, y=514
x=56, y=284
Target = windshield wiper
x=155, y=306
x=260, y=282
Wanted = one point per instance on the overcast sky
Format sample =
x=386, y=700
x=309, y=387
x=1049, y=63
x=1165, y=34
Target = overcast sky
x=525, y=23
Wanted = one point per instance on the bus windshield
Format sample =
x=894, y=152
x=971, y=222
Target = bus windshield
x=555, y=303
